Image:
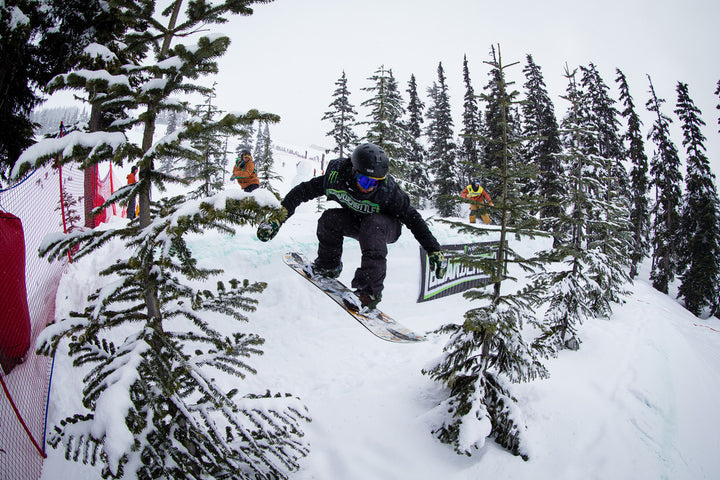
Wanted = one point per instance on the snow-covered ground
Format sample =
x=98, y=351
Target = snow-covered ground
x=639, y=400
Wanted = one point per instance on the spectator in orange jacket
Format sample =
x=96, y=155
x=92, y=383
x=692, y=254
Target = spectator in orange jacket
x=478, y=194
x=244, y=172
x=131, y=202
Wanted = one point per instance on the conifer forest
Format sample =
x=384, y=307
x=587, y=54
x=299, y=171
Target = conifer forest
x=609, y=194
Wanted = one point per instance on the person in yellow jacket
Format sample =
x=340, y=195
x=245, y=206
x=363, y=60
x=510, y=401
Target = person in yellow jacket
x=478, y=194
x=244, y=172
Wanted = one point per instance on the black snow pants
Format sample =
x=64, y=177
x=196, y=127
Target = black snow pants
x=373, y=232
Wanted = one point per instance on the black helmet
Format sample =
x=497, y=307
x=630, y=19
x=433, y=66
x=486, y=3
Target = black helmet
x=244, y=151
x=370, y=160
x=474, y=181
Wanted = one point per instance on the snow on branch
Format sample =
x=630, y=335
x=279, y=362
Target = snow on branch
x=41, y=152
x=18, y=18
x=84, y=76
x=95, y=50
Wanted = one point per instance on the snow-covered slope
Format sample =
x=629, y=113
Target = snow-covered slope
x=638, y=400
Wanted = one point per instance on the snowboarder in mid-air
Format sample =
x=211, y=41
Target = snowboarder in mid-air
x=477, y=194
x=373, y=207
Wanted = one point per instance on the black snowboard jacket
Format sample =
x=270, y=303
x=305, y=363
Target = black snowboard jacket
x=339, y=184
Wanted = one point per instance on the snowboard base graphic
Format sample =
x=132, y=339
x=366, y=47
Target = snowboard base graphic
x=380, y=324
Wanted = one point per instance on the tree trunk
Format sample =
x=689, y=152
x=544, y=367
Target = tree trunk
x=151, y=300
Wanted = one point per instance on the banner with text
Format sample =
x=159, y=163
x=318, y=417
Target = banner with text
x=459, y=277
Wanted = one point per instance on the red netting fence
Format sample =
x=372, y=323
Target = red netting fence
x=35, y=204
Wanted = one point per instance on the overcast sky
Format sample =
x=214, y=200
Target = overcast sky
x=287, y=56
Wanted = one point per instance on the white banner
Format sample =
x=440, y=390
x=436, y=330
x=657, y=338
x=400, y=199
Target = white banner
x=459, y=277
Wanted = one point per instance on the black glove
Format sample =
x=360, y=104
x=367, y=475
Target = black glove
x=438, y=263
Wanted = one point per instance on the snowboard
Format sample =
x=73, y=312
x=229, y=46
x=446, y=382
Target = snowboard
x=379, y=323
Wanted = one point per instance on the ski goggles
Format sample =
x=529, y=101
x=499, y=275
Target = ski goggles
x=367, y=182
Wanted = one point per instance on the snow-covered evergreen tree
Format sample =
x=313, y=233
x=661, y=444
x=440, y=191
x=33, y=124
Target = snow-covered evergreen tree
x=68, y=208
x=538, y=120
x=499, y=121
x=717, y=92
x=639, y=183
x=385, y=128
x=169, y=164
x=666, y=177
x=609, y=228
x=264, y=168
x=260, y=141
x=172, y=123
x=486, y=353
x=153, y=334
x=207, y=164
x=417, y=177
x=607, y=123
x=469, y=151
x=716, y=307
x=442, y=156
x=699, y=254
x=49, y=119
x=579, y=289
x=492, y=126
x=342, y=115
x=29, y=41
x=415, y=120
x=245, y=139
x=101, y=49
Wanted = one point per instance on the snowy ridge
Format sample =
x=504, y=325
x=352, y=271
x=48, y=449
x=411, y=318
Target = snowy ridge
x=638, y=400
